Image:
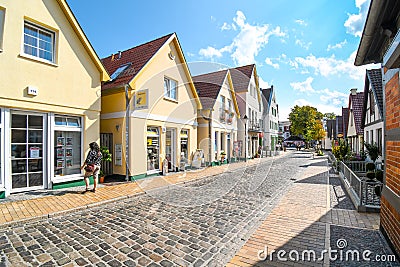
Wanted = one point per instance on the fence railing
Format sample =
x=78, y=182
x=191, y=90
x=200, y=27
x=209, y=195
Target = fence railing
x=360, y=166
x=365, y=194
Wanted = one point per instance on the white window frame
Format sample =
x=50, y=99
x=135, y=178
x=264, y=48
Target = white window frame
x=167, y=91
x=53, y=43
x=2, y=23
x=64, y=128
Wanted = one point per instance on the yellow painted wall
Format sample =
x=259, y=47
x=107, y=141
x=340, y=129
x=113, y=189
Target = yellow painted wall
x=162, y=112
x=70, y=86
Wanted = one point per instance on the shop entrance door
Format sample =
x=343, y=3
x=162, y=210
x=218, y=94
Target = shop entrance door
x=170, y=149
x=27, y=144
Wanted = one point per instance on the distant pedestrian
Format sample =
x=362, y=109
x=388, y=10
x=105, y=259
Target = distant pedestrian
x=92, y=165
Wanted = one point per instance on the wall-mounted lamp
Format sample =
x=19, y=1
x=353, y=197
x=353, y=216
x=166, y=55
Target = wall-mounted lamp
x=117, y=127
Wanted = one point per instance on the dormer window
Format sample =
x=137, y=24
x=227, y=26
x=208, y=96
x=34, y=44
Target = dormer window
x=119, y=71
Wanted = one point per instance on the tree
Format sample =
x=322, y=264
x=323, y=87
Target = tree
x=330, y=116
x=306, y=122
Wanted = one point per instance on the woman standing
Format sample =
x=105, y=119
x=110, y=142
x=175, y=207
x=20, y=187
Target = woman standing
x=92, y=165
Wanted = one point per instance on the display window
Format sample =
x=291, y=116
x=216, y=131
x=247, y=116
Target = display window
x=67, y=145
x=153, y=148
x=184, y=143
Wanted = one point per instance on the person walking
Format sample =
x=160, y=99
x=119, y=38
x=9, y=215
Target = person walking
x=92, y=165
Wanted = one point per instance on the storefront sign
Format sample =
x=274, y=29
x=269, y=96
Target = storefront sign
x=118, y=155
x=142, y=99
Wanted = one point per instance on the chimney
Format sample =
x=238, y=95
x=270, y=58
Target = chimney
x=353, y=91
x=120, y=54
x=112, y=57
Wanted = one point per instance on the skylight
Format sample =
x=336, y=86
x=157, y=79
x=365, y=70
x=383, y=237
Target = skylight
x=119, y=71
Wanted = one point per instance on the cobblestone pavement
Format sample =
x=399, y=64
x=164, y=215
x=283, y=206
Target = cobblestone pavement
x=201, y=223
x=305, y=222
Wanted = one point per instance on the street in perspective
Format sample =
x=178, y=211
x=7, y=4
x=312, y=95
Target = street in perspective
x=187, y=133
x=231, y=218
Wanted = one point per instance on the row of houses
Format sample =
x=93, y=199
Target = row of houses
x=57, y=96
x=362, y=120
x=373, y=115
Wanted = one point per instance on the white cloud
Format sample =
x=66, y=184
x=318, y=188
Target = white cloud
x=247, y=43
x=212, y=18
x=263, y=84
x=268, y=61
x=330, y=66
x=304, y=87
x=335, y=98
x=303, y=44
x=336, y=46
x=301, y=22
x=226, y=27
x=355, y=22
x=210, y=52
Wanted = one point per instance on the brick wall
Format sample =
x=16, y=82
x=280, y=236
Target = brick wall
x=390, y=221
x=390, y=218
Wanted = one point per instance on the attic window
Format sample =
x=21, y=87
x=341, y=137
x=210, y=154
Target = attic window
x=119, y=71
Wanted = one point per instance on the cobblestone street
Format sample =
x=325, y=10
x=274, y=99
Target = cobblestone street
x=200, y=223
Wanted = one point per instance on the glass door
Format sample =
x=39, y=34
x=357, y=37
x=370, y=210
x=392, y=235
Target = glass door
x=170, y=149
x=27, y=151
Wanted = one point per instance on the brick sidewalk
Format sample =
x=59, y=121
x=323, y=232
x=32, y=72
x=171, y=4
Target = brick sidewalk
x=50, y=206
x=303, y=220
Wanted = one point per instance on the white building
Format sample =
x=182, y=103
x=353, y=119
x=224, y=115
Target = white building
x=245, y=82
x=284, y=129
x=270, y=118
x=372, y=116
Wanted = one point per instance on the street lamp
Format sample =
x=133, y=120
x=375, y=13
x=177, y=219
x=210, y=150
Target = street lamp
x=245, y=136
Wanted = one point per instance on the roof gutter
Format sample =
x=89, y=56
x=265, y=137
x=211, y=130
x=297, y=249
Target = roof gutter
x=368, y=32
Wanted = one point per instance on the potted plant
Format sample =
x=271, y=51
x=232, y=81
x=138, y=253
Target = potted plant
x=379, y=175
x=370, y=167
x=372, y=151
x=106, y=157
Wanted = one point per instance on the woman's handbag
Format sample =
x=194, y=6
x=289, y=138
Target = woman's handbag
x=89, y=168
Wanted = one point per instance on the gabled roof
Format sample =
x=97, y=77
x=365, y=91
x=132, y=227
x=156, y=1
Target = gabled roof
x=331, y=129
x=374, y=78
x=136, y=56
x=241, y=77
x=84, y=40
x=208, y=87
x=356, y=103
x=339, y=125
x=267, y=98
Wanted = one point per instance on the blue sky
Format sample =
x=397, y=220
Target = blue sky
x=305, y=49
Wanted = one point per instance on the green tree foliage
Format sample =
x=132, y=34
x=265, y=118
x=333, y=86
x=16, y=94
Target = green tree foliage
x=341, y=151
x=306, y=121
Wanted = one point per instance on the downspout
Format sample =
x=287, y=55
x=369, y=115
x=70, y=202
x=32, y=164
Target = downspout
x=127, y=135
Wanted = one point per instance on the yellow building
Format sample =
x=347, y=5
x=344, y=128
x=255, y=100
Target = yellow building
x=50, y=95
x=217, y=129
x=161, y=115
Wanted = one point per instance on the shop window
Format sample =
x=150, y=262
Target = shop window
x=67, y=145
x=185, y=143
x=153, y=148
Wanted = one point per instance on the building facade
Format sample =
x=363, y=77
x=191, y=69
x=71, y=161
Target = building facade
x=355, y=135
x=372, y=116
x=383, y=47
x=45, y=129
x=149, y=108
x=248, y=95
x=218, y=119
x=270, y=117
x=284, y=130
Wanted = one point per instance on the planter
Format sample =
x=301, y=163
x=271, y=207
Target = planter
x=101, y=179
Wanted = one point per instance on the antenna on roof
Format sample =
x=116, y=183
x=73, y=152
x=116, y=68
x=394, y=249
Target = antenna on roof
x=119, y=54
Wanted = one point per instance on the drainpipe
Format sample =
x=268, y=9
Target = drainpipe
x=127, y=123
x=209, y=120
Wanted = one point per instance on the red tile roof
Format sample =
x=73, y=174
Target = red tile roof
x=137, y=56
x=208, y=87
x=241, y=77
x=357, y=101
